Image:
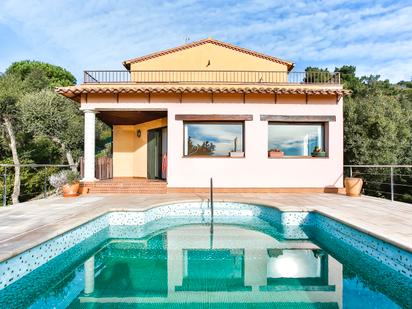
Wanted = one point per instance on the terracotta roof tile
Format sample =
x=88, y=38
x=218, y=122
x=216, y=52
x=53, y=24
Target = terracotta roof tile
x=75, y=91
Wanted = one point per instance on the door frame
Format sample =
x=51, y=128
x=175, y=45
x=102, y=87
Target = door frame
x=159, y=130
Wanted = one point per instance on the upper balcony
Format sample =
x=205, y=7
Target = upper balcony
x=209, y=77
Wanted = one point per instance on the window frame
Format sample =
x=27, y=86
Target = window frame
x=325, y=129
x=240, y=122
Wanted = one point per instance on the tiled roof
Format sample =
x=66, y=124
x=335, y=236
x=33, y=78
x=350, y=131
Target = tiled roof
x=74, y=91
x=289, y=64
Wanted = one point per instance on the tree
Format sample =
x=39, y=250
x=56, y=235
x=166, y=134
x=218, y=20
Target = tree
x=348, y=77
x=10, y=92
x=49, y=114
x=378, y=129
x=21, y=78
x=317, y=75
x=206, y=148
x=40, y=75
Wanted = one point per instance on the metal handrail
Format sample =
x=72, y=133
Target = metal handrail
x=38, y=165
x=211, y=199
x=211, y=213
x=391, y=175
x=208, y=77
x=377, y=165
x=32, y=165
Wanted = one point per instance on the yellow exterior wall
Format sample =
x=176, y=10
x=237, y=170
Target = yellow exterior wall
x=208, y=57
x=124, y=140
x=130, y=151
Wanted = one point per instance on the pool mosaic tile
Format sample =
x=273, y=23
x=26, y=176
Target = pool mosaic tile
x=147, y=222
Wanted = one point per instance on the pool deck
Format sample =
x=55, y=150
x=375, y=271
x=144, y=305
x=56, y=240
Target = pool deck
x=27, y=225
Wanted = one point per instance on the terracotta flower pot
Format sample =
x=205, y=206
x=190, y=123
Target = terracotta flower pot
x=71, y=190
x=353, y=186
x=275, y=154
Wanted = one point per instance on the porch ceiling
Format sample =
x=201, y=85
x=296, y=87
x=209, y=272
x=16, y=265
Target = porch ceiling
x=129, y=117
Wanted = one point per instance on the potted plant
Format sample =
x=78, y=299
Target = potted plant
x=67, y=181
x=275, y=153
x=235, y=153
x=353, y=186
x=318, y=152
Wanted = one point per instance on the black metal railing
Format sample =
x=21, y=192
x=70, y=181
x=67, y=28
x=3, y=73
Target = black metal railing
x=209, y=77
x=393, y=182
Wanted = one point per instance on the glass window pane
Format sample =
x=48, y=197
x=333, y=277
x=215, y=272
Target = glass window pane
x=213, y=139
x=296, y=139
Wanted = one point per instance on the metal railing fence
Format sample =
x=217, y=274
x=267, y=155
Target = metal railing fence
x=393, y=182
x=209, y=77
x=38, y=173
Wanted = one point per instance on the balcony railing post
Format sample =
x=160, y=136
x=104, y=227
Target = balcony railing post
x=5, y=187
x=350, y=171
x=210, y=77
x=392, y=186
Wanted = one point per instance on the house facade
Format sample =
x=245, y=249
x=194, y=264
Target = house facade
x=211, y=109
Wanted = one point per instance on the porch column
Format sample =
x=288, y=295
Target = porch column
x=89, y=276
x=89, y=145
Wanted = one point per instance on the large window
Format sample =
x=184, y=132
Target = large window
x=296, y=139
x=213, y=138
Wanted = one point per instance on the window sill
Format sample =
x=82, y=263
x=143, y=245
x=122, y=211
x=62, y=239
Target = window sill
x=298, y=157
x=212, y=157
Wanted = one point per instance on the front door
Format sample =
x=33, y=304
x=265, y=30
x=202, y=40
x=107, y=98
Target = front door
x=154, y=154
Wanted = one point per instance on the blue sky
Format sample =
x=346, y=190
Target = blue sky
x=375, y=36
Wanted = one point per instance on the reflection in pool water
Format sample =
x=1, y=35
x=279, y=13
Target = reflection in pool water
x=190, y=266
x=238, y=266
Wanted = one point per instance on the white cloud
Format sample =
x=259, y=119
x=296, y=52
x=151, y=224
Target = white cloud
x=376, y=37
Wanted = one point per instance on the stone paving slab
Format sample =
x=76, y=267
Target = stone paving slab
x=27, y=225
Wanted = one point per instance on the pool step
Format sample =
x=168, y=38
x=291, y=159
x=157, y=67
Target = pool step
x=125, y=186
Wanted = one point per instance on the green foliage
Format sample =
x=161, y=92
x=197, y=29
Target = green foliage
x=11, y=90
x=41, y=75
x=348, y=77
x=103, y=140
x=206, y=148
x=317, y=75
x=34, y=180
x=46, y=113
x=40, y=149
x=72, y=177
x=23, y=79
x=378, y=130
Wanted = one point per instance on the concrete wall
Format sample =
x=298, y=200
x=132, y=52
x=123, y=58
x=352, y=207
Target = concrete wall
x=130, y=151
x=255, y=170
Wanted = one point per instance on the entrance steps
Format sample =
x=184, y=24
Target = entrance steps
x=125, y=186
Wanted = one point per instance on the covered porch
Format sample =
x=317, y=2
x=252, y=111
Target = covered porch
x=139, y=146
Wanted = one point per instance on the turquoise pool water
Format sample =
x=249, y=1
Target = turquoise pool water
x=234, y=263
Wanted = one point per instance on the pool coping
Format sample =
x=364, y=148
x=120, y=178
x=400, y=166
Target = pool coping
x=8, y=248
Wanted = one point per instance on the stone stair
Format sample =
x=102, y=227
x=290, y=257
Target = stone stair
x=125, y=186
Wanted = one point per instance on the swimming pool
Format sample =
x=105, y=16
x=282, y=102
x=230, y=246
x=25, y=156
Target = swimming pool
x=175, y=256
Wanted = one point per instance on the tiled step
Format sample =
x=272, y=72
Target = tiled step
x=127, y=192
x=126, y=186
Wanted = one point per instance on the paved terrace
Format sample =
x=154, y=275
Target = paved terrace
x=26, y=225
